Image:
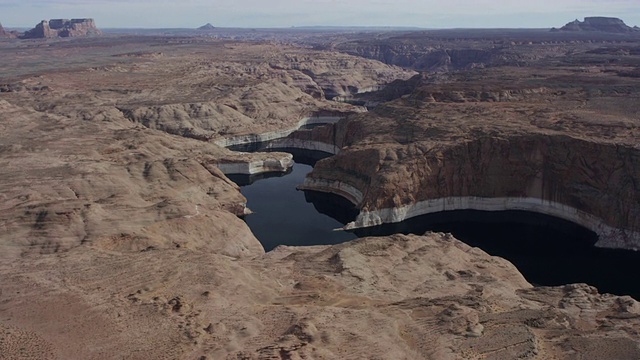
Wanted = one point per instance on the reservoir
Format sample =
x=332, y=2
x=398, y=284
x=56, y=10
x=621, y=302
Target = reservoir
x=284, y=215
x=548, y=251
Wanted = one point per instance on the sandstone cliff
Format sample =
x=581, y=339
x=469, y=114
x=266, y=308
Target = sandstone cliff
x=452, y=50
x=455, y=145
x=62, y=28
x=425, y=57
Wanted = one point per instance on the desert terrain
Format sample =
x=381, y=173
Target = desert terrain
x=122, y=237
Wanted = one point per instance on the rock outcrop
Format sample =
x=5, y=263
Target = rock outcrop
x=427, y=297
x=427, y=57
x=598, y=23
x=453, y=145
x=299, y=81
x=62, y=28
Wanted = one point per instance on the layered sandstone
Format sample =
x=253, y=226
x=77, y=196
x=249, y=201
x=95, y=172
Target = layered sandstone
x=519, y=146
x=121, y=238
x=452, y=50
x=62, y=28
x=135, y=182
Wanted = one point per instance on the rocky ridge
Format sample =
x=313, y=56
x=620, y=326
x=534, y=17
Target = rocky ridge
x=452, y=50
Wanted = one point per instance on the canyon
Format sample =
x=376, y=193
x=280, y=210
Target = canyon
x=122, y=236
x=441, y=148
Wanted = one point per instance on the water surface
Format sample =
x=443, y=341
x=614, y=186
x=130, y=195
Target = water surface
x=282, y=215
x=546, y=250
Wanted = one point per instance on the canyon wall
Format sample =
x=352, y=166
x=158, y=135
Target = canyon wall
x=567, y=149
x=588, y=183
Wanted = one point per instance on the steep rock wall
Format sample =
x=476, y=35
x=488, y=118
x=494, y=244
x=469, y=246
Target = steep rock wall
x=589, y=183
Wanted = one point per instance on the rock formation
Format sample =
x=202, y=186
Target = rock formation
x=62, y=28
x=427, y=297
x=599, y=23
x=207, y=27
x=440, y=148
x=120, y=238
x=451, y=50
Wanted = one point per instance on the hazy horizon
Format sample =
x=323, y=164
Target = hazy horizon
x=304, y=13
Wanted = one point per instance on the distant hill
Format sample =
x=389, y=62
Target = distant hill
x=599, y=23
x=207, y=26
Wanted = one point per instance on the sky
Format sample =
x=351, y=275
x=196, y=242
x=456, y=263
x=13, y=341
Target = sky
x=287, y=13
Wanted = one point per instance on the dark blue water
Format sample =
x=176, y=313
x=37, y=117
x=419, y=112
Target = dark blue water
x=282, y=215
x=546, y=250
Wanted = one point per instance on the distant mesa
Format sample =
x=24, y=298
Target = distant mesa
x=62, y=28
x=208, y=26
x=599, y=23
